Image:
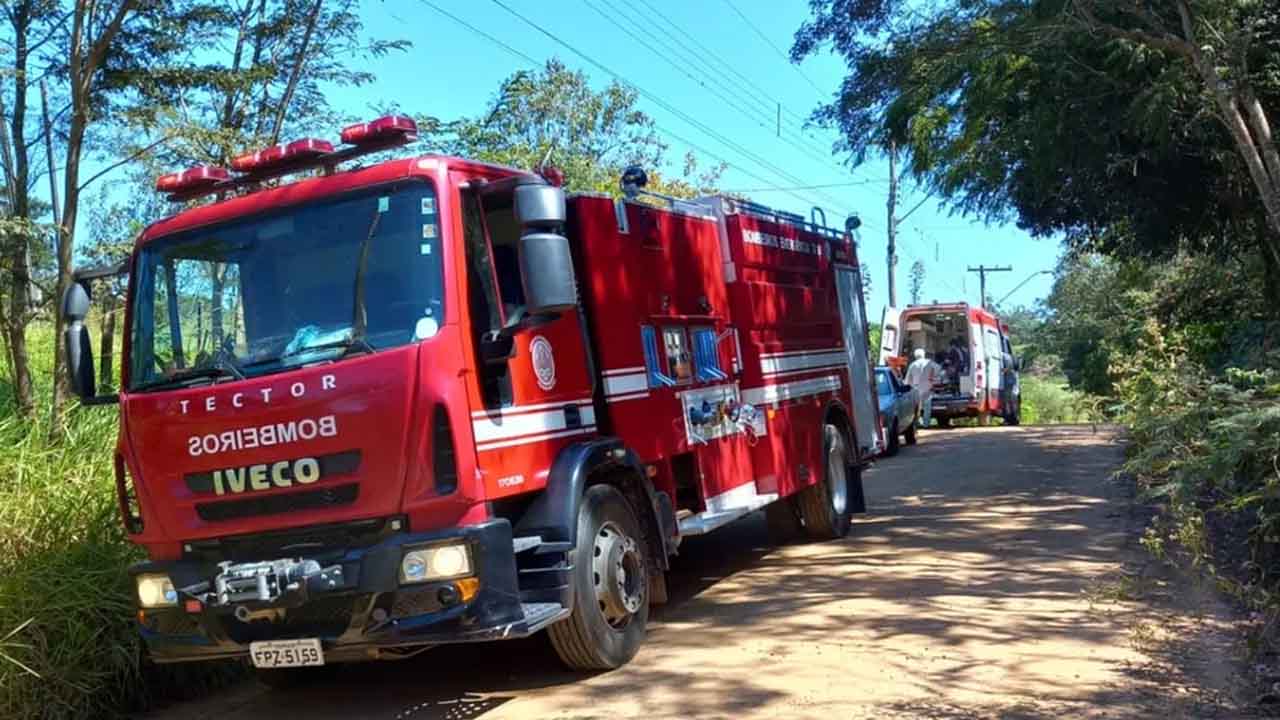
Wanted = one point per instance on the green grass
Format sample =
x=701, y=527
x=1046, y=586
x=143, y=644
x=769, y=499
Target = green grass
x=68, y=647
x=1048, y=401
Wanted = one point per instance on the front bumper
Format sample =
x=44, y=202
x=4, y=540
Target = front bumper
x=366, y=613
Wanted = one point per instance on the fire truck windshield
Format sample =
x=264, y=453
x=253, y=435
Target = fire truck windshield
x=286, y=288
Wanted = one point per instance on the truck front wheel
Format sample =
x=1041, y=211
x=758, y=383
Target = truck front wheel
x=610, y=586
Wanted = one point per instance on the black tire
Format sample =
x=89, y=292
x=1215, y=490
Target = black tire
x=1015, y=417
x=894, y=443
x=826, y=516
x=784, y=521
x=943, y=423
x=910, y=434
x=587, y=639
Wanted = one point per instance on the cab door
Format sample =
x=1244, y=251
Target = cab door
x=994, y=365
x=531, y=393
x=890, y=322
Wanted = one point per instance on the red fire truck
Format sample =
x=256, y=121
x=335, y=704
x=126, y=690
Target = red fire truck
x=369, y=410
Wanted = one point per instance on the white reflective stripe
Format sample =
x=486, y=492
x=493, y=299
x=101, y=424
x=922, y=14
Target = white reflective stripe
x=486, y=429
x=625, y=371
x=791, y=353
x=519, y=409
x=791, y=363
x=536, y=438
x=621, y=398
x=624, y=384
x=792, y=373
x=791, y=390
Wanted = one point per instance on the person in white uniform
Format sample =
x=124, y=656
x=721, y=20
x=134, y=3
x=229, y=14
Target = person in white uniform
x=922, y=373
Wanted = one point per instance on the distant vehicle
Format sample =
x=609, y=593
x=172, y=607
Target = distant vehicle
x=980, y=374
x=899, y=409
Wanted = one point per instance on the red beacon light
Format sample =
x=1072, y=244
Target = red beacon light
x=389, y=128
x=196, y=178
x=276, y=156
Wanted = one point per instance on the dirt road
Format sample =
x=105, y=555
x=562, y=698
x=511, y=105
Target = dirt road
x=974, y=589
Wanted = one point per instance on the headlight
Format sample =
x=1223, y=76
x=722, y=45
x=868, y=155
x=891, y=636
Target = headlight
x=442, y=562
x=156, y=591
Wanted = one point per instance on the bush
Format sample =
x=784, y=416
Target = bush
x=1207, y=445
x=68, y=647
x=1048, y=401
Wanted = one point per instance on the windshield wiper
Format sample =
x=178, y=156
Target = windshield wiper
x=360, y=318
x=186, y=377
x=349, y=345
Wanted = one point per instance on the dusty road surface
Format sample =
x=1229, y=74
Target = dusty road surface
x=971, y=591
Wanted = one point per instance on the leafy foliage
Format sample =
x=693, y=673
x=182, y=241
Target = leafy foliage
x=554, y=116
x=1024, y=111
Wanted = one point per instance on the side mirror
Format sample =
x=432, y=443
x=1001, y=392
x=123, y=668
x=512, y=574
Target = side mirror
x=546, y=264
x=79, y=357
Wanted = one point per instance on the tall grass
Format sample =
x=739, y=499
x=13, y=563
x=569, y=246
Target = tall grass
x=1049, y=401
x=68, y=647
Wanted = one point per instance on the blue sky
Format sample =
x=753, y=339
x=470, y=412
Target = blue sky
x=452, y=71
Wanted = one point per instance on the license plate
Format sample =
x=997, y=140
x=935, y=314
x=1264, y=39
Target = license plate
x=286, y=653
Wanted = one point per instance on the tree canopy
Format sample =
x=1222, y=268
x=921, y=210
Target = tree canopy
x=554, y=116
x=1093, y=123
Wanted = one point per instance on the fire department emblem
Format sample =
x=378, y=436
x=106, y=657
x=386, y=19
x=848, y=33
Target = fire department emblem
x=544, y=362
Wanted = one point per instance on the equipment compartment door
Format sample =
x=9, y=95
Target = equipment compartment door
x=853, y=324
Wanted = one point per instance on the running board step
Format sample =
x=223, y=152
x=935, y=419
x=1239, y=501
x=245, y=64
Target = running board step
x=539, y=615
x=705, y=522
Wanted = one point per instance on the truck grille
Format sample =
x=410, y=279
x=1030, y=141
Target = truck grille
x=275, y=504
x=310, y=541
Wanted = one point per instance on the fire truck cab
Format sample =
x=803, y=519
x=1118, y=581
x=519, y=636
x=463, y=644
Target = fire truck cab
x=431, y=400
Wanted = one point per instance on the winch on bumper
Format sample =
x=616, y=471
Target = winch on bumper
x=356, y=601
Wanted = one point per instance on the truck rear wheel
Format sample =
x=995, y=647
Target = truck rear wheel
x=824, y=507
x=894, y=442
x=610, y=586
x=783, y=520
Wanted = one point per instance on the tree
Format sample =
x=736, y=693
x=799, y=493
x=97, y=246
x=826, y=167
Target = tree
x=917, y=281
x=31, y=27
x=1034, y=112
x=554, y=116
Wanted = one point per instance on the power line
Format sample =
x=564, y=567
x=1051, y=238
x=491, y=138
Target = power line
x=746, y=109
x=656, y=99
x=532, y=61
x=808, y=187
x=783, y=55
x=744, y=85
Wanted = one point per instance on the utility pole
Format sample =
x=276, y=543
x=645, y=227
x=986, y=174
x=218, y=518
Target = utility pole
x=892, y=257
x=895, y=220
x=982, y=271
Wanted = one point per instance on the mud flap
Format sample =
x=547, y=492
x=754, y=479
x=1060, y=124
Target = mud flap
x=857, y=500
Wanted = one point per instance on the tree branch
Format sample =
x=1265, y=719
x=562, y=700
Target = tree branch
x=1163, y=42
x=133, y=156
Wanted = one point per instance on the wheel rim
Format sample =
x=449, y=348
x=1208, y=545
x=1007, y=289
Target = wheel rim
x=836, y=483
x=618, y=574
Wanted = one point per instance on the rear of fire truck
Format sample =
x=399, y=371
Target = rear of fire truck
x=337, y=441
